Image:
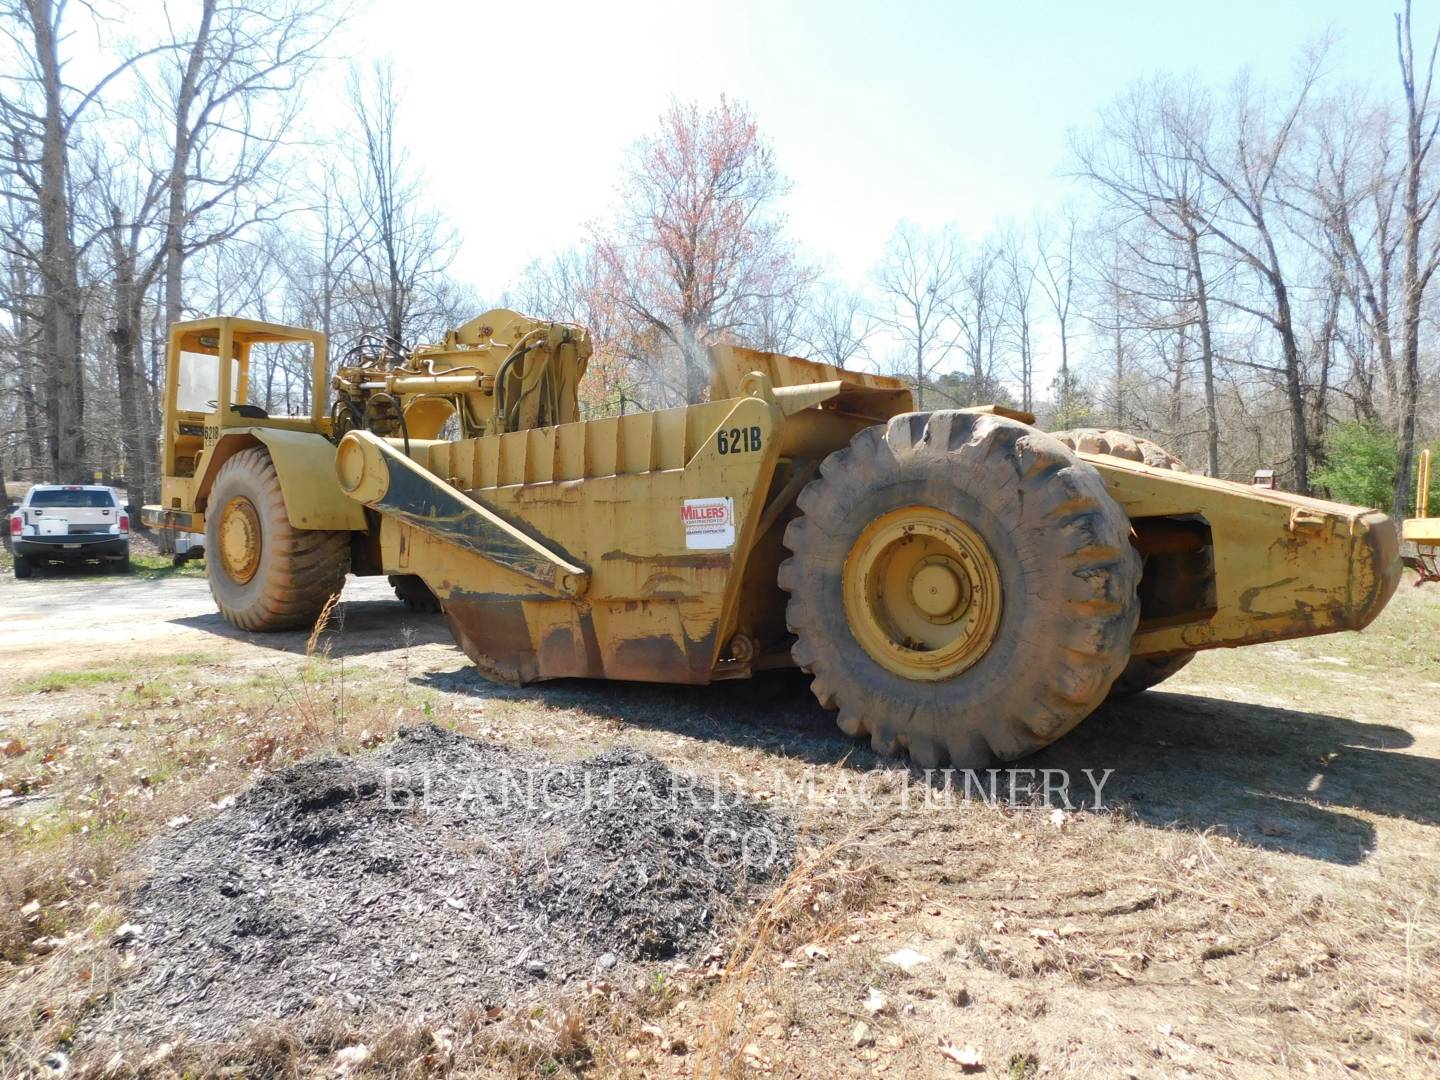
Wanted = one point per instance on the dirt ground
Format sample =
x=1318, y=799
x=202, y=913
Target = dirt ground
x=1257, y=897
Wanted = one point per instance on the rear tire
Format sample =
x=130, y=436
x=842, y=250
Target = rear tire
x=1122, y=445
x=1055, y=543
x=264, y=573
x=411, y=590
x=23, y=567
x=1142, y=672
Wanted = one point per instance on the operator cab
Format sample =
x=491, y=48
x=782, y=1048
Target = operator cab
x=199, y=383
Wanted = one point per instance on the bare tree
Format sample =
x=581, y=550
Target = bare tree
x=1138, y=160
x=1421, y=249
x=919, y=278
x=1058, y=272
x=128, y=209
x=1246, y=166
x=1349, y=203
x=1017, y=312
x=402, y=246
x=229, y=95
x=838, y=325
x=975, y=311
x=39, y=116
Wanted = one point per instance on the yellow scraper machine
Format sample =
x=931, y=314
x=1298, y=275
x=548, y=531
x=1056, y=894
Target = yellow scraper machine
x=1422, y=532
x=959, y=583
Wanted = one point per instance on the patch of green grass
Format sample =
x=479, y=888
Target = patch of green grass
x=148, y=691
x=54, y=681
x=151, y=567
x=73, y=680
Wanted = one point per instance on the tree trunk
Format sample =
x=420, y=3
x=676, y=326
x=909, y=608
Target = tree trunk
x=175, y=218
x=61, y=355
x=919, y=375
x=1294, y=390
x=1412, y=294
x=1177, y=383
x=1207, y=352
x=125, y=339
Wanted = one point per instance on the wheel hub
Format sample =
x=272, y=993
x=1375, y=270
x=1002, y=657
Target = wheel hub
x=922, y=593
x=240, y=539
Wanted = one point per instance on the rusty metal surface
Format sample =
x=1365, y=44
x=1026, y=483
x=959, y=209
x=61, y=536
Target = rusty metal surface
x=1284, y=566
x=382, y=478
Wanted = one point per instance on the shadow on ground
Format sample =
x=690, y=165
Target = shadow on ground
x=1270, y=777
x=356, y=628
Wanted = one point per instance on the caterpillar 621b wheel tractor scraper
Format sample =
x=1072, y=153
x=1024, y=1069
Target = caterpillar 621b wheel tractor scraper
x=959, y=583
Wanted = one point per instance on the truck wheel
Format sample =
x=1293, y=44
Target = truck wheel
x=23, y=567
x=264, y=573
x=1142, y=672
x=411, y=590
x=961, y=585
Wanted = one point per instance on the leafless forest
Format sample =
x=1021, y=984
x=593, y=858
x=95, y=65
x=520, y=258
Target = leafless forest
x=1244, y=271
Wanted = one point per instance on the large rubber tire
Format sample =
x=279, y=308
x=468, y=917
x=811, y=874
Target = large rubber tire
x=298, y=570
x=411, y=590
x=24, y=568
x=1067, y=572
x=1142, y=672
x=1123, y=445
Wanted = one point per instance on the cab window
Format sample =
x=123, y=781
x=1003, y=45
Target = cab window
x=199, y=382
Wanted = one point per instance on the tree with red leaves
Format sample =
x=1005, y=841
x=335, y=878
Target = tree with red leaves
x=698, y=251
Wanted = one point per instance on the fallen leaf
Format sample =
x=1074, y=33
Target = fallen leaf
x=876, y=1002
x=907, y=960
x=967, y=1057
x=13, y=748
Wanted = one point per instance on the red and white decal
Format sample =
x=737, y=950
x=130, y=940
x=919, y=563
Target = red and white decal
x=709, y=523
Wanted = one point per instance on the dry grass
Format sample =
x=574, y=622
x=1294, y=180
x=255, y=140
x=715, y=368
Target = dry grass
x=1206, y=939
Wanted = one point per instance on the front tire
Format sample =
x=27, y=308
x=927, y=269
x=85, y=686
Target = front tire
x=962, y=585
x=1142, y=672
x=264, y=573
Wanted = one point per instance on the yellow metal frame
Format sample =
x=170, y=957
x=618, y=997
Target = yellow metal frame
x=1422, y=529
x=303, y=455
x=1285, y=565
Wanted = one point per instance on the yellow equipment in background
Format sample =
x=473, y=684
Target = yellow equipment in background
x=1423, y=531
x=959, y=583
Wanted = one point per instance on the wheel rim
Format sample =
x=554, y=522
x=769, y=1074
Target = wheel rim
x=922, y=593
x=240, y=539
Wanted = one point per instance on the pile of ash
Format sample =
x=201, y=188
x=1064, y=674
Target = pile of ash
x=435, y=872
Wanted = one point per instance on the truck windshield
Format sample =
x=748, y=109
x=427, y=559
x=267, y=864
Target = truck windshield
x=92, y=500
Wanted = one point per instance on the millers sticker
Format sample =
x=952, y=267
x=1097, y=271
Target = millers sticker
x=709, y=524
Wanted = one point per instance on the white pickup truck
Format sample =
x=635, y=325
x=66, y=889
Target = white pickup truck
x=69, y=523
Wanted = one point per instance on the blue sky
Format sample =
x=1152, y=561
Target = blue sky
x=959, y=112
